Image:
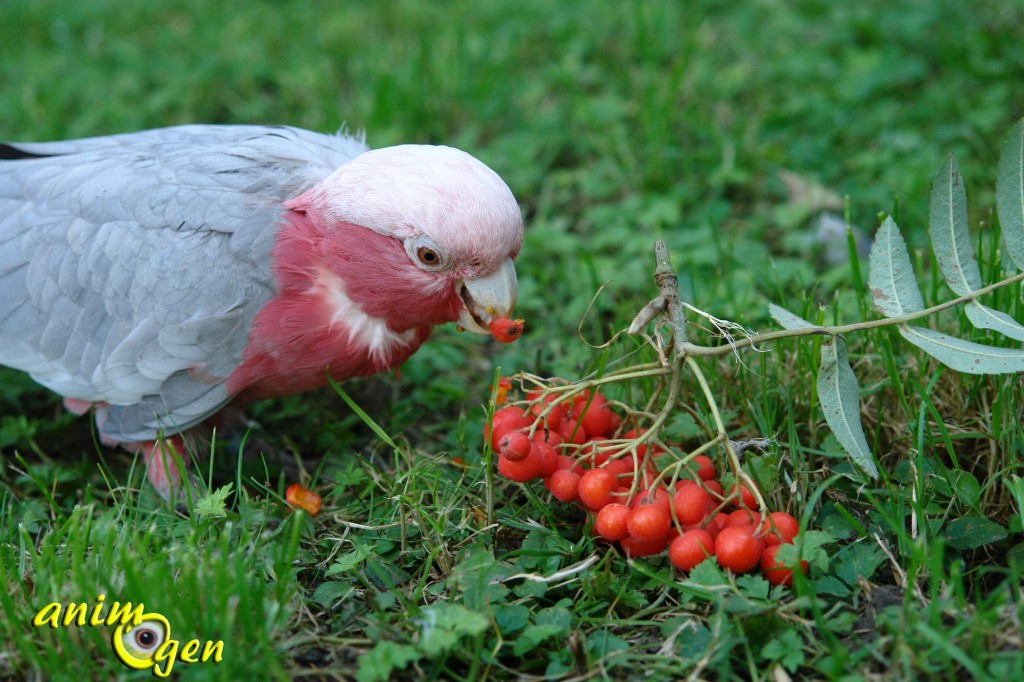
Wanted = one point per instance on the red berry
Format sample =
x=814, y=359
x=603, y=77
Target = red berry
x=622, y=466
x=705, y=467
x=623, y=470
x=548, y=458
x=597, y=418
x=746, y=498
x=507, y=419
x=564, y=484
x=596, y=487
x=611, y=522
x=775, y=572
x=634, y=548
x=591, y=454
x=580, y=400
x=567, y=462
x=714, y=487
x=691, y=503
x=599, y=421
x=555, y=416
x=633, y=434
x=522, y=471
x=648, y=523
x=691, y=548
x=781, y=528
x=742, y=517
x=673, y=532
x=710, y=524
x=659, y=497
x=715, y=524
x=506, y=330
x=551, y=437
x=737, y=549
x=572, y=432
x=514, y=445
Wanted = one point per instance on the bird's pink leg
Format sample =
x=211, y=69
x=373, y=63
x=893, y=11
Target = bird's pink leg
x=162, y=457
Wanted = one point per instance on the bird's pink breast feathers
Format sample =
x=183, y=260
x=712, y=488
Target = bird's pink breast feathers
x=349, y=302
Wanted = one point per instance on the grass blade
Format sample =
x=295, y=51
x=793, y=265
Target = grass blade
x=367, y=419
x=839, y=395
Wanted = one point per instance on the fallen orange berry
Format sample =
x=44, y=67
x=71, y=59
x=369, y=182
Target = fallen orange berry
x=501, y=390
x=307, y=500
x=506, y=330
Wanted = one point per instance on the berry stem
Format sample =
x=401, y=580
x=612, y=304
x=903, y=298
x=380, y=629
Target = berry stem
x=665, y=278
x=742, y=478
x=675, y=466
x=754, y=339
x=668, y=284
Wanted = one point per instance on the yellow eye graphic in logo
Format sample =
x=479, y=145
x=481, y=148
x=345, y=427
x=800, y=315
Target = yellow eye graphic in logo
x=135, y=646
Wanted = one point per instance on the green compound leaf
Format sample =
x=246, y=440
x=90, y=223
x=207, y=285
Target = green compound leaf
x=964, y=356
x=1010, y=194
x=214, y=505
x=839, y=395
x=984, y=317
x=891, y=279
x=950, y=233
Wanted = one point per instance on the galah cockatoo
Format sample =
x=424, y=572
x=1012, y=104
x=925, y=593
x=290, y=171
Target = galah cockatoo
x=159, y=276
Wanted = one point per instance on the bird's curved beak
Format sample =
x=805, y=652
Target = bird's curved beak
x=486, y=298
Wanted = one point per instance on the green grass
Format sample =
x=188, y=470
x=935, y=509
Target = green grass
x=614, y=124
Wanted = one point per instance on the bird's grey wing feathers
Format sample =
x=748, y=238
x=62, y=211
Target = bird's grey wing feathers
x=131, y=266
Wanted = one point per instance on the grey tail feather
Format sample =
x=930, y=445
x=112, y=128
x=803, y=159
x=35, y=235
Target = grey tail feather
x=8, y=152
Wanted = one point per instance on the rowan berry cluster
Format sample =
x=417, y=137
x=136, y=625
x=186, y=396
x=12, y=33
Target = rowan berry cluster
x=575, y=443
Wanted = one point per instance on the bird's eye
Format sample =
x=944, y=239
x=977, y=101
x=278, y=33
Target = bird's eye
x=425, y=253
x=428, y=256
